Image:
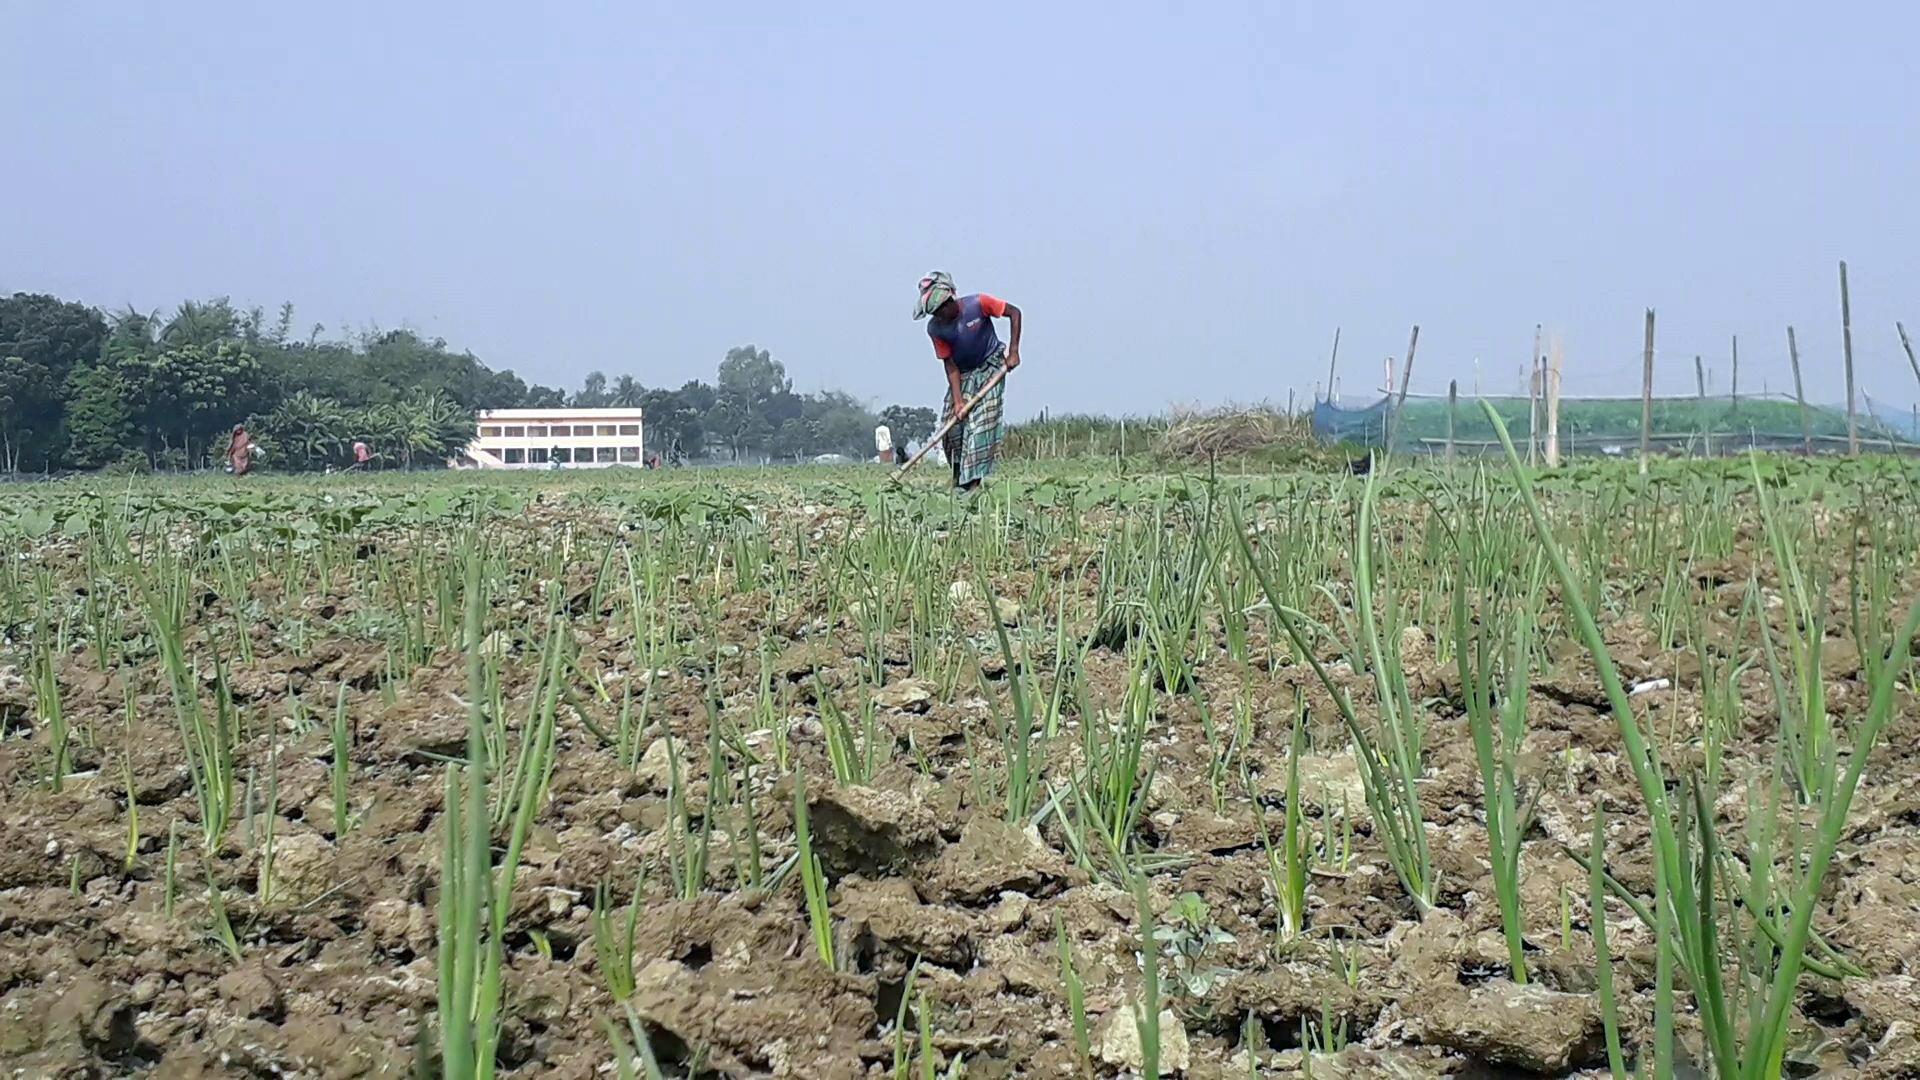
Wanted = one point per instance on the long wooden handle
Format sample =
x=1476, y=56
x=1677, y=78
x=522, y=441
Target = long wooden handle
x=941, y=431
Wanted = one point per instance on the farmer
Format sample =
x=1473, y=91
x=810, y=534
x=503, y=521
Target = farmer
x=964, y=340
x=362, y=454
x=240, y=450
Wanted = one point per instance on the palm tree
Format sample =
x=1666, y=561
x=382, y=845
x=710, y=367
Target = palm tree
x=593, y=392
x=205, y=325
x=627, y=392
x=133, y=331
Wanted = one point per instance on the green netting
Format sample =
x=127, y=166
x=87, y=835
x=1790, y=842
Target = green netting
x=1602, y=424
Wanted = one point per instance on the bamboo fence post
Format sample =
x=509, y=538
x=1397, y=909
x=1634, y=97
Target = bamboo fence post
x=1453, y=407
x=1846, y=338
x=1706, y=425
x=1332, y=363
x=1736, y=374
x=1646, y=395
x=1533, y=398
x=1551, y=389
x=1406, y=380
x=1799, y=393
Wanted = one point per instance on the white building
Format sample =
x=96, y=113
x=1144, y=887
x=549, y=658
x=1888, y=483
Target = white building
x=556, y=438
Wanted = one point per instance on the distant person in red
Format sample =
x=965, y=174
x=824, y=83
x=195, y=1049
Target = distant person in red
x=361, y=454
x=964, y=339
x=240, y=450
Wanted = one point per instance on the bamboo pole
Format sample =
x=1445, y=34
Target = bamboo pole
x=1406, y=380
x=1706, y=425
x=1333, y=362
x=1736, y=374
x=1908, y=346
x=1646, y=394
x=1533, y=398
x=1551, y=388
x=1846, y=338
x=1453, y=407
x=1799, y=392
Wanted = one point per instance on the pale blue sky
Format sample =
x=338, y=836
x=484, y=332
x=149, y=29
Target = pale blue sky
x=1186, y=199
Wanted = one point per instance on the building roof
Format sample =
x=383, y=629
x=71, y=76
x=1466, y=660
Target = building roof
x=561, y=415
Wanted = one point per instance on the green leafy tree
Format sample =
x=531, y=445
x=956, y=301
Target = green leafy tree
x=626, y=393
x=100, y=427
x=753, y=398
x=543, y=397
x=908, y=422
x=328, y=369
x=180, y=395
x=182, y=398
x=497, y=390
x=79, y=388
x=676, y=420
x=830, y=422
x=43, y=340
x=793, y=440
x=839, y=424
x=593, y=392
x=282, y=326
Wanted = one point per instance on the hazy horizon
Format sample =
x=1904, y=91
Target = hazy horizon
x=1186, y=206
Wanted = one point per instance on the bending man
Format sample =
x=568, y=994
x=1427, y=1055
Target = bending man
x=965, y=341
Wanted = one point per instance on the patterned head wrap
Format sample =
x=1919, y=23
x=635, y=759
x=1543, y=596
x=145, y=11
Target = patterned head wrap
x=935, y=289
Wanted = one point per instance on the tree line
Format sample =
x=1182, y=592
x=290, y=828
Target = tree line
x=83, y=389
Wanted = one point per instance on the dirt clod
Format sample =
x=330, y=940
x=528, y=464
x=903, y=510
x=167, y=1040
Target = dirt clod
x=1527, y=1027
x=783, y=1018
x=906, y=695
x=251, y=991
x=893, y=914
x=1119, y=1041
x=994, y=857
x=869, y=831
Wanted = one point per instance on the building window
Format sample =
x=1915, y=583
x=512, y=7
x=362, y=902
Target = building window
x=536, y=456
x=629, y=453
x=629, y=429
x=606, y=429
x=491, y=431
x=535, y=431
x=516, y=433
x=516, y=456
x=560, y=431
x=582, y=454
x=563, y=455
x=604, y=454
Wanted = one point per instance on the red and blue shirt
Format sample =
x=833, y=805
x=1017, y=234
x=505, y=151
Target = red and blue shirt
x=969, y=339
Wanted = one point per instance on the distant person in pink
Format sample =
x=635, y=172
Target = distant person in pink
x=240, y=450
